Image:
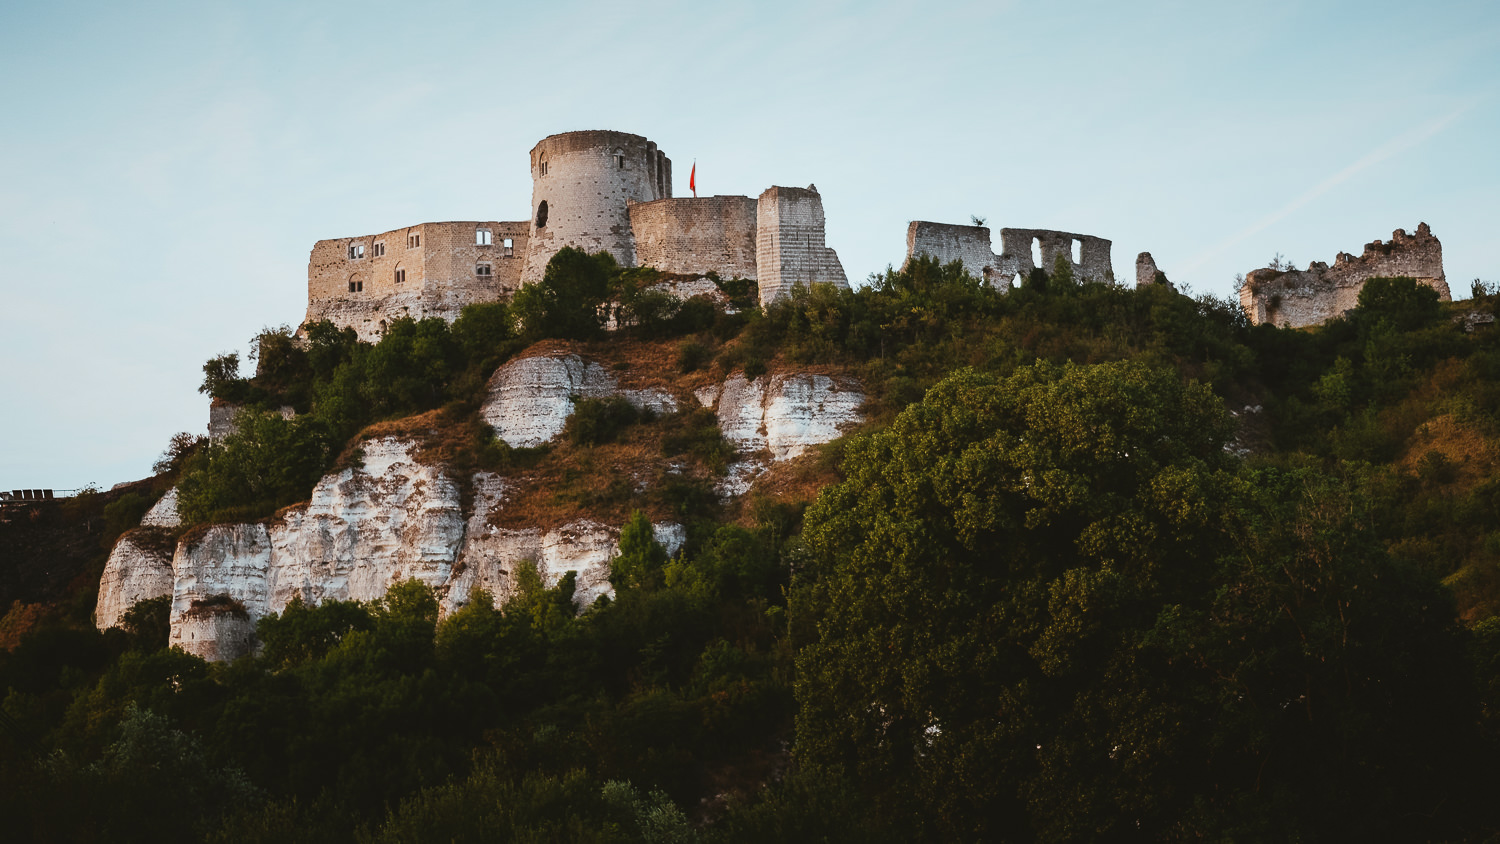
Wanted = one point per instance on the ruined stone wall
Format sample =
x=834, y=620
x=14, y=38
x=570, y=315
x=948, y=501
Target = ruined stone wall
x=1310, y=297
x=947, y=243
x=432, y=269
x=692, y=235
x=586, y=180
x=789, y=243
x=215, y=633
x=1016, y=261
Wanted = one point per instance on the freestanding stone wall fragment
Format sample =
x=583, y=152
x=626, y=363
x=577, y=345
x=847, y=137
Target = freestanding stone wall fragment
x=948, y=243
x=1298, y=298
x=693, y=235
x=581, y=186
x=789, y=243
x=1016, y=262
x=1147, y=274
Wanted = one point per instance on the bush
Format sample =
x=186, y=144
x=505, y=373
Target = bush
x=599, y=421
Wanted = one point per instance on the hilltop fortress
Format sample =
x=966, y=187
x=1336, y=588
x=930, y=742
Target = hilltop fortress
x=596, y=191
x=612, y=191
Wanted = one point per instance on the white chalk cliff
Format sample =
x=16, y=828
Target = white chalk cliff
x=394, y=518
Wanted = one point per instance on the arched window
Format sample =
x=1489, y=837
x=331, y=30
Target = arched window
x=541, y=214
x=356, y=283
x=541, y=164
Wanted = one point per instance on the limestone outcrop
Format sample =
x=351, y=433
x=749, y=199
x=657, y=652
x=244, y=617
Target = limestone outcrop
x=778, y=417
x=531, y=399
x=139, y=568
x=391, y=519
x=163, y=513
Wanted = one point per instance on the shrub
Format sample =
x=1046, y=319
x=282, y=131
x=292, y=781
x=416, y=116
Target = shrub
x=598, y=421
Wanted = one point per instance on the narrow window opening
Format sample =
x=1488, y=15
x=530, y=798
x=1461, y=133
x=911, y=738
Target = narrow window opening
x=482, y=270
x=413, y=241
x=356, y=285
x=481, y=237
x=541, y=214
x=1036, y=252
x=400, y=276
x=620, y=159
x=356, y=251
x=1077, y=251
x=379, y=250
x=509, y=246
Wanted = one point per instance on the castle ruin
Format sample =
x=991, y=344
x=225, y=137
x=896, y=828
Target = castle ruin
x=1299, y=298
x=1088, y=256
x=591, y=190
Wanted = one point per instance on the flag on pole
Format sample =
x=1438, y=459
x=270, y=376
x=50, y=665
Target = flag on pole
x=693, y=179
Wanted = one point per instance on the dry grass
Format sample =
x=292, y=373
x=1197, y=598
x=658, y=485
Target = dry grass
x=1463, y=446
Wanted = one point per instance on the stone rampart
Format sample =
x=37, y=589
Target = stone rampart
x=581, y=186
x=948, y=243
x=432, y=269
x=1016, y=260
x=1299, y=298
x=789, y=243
x=217, y=631
x=692, y=235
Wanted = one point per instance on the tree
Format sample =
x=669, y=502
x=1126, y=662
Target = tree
x=639, y=564
x=568, y=301
x=221, y=377
x=1051, y=605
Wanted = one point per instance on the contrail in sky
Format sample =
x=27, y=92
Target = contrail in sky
x=1398, y=144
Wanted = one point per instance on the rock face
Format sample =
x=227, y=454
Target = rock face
x=531, y=399
x=139, y=568
x=364, y=530
x=785, y=414
x=163, y=514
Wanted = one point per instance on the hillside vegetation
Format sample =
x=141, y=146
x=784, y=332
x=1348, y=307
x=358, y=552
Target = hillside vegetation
x=1103, y=564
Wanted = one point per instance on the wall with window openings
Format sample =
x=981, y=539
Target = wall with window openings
x=1021, y=251
x=432, y=269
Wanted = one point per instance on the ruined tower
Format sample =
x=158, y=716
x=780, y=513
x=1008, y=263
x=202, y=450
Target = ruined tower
x=789, y=244
x=581, y=185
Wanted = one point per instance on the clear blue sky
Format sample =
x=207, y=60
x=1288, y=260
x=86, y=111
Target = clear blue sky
x=169, y=165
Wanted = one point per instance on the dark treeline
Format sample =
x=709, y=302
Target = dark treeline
x=1106, y=564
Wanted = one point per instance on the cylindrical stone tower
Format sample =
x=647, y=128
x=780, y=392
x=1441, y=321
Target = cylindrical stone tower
x=580, y=185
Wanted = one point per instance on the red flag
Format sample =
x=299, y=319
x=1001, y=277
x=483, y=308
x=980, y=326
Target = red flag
x=693, y=179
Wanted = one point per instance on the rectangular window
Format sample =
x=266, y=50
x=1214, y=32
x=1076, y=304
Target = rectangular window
x=356, y=286
x=413, y=241
x=509, y=246
x=379, y=249
x=482, y=270
x=356, y=250
x=400, y=276
x=481, y=237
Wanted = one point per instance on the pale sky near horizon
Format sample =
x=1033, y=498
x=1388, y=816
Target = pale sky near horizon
x=169, y=165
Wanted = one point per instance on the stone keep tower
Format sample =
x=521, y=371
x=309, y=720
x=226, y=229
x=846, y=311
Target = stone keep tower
x=581, y=184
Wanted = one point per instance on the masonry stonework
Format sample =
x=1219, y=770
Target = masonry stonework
x=1016, y=261
x=948, y=243
x=432, y=269
x=581, y=186
x=789, y=243
x=1296, y=298
x=692, y=235
x=971, y=245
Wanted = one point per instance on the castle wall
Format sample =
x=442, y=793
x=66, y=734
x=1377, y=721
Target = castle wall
x=948, y=243
x=693, y=235
x=1016, y=261
x=1310, y=297
x=586, y=181
x=216, y=633
x=789, y=243
x=439, y=273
